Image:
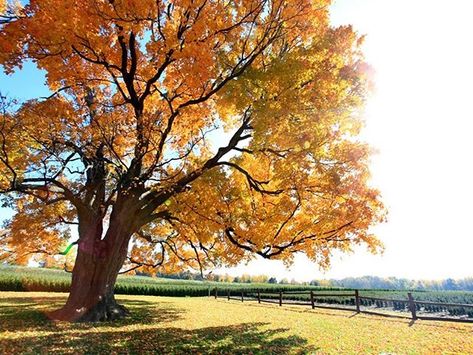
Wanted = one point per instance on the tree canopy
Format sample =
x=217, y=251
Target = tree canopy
x=186, y=133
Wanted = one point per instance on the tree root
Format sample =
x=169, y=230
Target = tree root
x=107, y=309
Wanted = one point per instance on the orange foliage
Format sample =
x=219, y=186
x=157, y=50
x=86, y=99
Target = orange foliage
x=142, y=87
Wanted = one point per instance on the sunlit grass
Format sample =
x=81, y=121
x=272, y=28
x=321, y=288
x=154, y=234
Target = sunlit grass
x=204, y=325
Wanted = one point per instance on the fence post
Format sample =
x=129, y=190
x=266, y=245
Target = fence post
x=215, y=292
x=242, y=296
x=209, y=291
x=228, y=294
x=312, y=301
x=280, y=298
x=412, y=306
x=357, y=301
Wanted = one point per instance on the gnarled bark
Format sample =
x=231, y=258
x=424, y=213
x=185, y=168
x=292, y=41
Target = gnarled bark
x=91, y=296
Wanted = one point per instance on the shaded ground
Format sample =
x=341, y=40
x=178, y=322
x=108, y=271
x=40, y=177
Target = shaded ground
x=208, y=326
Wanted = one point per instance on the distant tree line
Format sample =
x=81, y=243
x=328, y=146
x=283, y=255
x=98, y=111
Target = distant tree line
x=364, y=282
x=394, y=283
x=245, y=278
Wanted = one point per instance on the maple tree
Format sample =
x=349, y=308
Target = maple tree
x=183, y=133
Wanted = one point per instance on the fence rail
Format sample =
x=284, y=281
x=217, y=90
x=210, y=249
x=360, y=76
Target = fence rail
x=356, y=302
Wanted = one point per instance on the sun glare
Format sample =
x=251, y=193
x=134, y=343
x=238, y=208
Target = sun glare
x=420, y=121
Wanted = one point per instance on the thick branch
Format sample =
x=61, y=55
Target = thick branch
x=273, y=250
x=154, y=199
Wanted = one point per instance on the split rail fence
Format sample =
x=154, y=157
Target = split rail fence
x=412, y=309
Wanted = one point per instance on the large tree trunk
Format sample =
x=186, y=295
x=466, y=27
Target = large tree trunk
x=95, y=272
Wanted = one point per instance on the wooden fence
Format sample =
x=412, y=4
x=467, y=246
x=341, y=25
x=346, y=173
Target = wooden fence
x=415, y=308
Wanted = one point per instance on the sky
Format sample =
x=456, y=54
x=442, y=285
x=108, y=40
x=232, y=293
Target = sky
x=420, y=121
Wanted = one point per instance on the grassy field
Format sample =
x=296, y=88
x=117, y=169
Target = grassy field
x=164, y=325
x=17, y=278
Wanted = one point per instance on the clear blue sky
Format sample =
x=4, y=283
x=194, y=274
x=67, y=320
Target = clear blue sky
x=420, y=120
x=24, y=84
x=27, y=83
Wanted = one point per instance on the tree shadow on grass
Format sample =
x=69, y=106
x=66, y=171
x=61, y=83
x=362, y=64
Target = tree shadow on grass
x=247, y=338
x=24, y=327
x=22, y=315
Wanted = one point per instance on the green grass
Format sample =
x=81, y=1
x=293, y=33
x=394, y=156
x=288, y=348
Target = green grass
x=164, y=325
